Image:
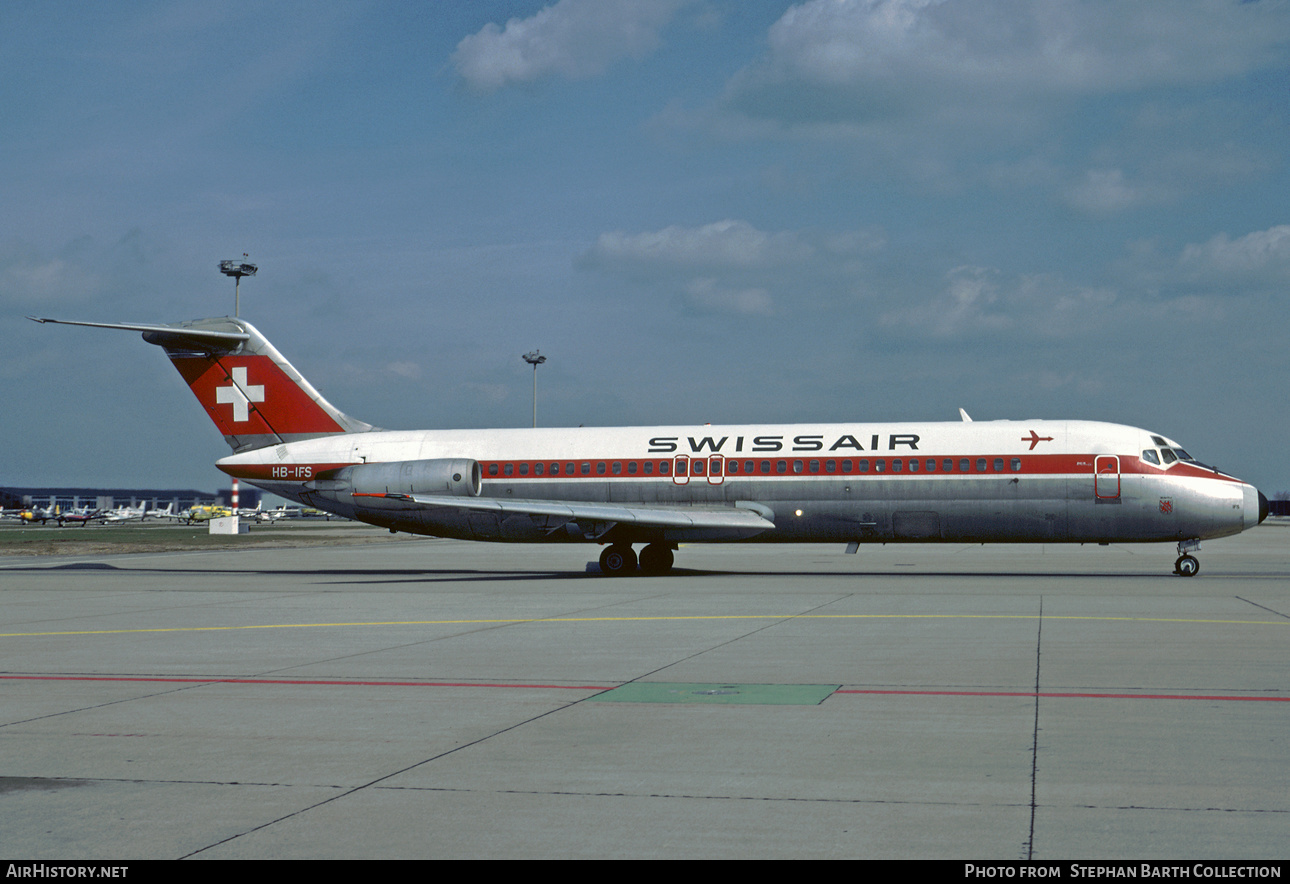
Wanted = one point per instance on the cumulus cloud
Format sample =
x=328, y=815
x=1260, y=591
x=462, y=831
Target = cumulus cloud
x=1104, y=191
x=706, y=295
x=30, y=279
x=725, y=243
x=865, y=59
x=732, y=267
x=1263, y=253
x=984, y=302
x=573, y=39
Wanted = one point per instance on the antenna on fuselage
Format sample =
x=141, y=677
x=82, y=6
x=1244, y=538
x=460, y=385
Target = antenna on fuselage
x=967, y=418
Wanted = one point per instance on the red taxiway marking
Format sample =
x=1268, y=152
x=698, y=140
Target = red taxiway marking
x=1070, y=695
x=303, y=681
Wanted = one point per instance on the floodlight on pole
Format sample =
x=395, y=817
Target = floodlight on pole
x=534, y=359
x=237, y=269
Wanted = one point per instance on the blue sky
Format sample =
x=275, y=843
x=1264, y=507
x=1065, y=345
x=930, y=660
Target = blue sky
x=701, y=210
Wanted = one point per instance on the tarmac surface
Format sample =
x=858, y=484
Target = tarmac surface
x=442, y=699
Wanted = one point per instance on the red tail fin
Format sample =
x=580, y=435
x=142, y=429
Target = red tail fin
x=248, y=388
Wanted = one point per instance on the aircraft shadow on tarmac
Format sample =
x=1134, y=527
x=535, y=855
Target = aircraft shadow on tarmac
x=412, y=575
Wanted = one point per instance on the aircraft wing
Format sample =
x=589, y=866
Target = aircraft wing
x=677, y=522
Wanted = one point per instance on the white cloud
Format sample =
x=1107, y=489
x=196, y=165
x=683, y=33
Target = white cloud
x=984, y=302
x=1263, y=253
x=573, y=38
x=725, y=243
x=886, y=54
x=32, y=280
x=406, y=369
x=705, y=295
x=1103, y=191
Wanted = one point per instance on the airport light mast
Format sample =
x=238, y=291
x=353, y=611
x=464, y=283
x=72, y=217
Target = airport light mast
x=534, y=359
x=237, y=269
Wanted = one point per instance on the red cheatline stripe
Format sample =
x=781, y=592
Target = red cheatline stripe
x=303, y=681
x=1071, y=694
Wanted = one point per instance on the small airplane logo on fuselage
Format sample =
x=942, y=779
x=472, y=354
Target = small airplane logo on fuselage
x=1034, y=439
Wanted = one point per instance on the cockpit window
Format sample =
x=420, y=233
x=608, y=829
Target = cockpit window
x=1167, y=455
x=1157, y=440
x=1150, y=456
x=1182, y=455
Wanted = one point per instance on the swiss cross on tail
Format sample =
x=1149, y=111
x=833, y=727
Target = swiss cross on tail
x=251, y=396
x=1034, y=439
x=240, y=394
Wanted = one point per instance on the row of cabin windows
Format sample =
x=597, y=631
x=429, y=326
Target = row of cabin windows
x=733, y=467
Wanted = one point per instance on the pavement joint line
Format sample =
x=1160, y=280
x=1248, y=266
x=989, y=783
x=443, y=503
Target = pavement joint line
x=922, y=692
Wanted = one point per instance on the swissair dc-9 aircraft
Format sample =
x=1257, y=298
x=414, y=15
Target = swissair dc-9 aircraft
x=985, y=481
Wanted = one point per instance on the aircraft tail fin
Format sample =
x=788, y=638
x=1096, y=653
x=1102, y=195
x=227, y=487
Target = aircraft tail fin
x=252, y=393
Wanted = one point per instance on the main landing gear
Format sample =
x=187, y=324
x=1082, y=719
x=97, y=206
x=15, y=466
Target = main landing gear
x=620, y=561
x=1187, y=564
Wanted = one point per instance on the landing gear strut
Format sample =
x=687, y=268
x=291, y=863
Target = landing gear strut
x=1187, y=564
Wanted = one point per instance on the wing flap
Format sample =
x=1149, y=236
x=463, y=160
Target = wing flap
x=678, y=520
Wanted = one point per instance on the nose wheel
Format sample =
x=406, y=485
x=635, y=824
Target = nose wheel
x=1187, y=564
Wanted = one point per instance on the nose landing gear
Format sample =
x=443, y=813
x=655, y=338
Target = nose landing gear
x=1187, y=564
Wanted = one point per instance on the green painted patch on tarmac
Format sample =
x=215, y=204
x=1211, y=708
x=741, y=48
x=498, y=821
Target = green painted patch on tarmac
x=726, y=694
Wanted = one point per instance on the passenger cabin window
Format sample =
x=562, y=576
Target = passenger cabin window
x=1016, y=464
x=1150, y=456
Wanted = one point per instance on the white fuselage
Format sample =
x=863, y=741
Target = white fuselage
x=971, y=481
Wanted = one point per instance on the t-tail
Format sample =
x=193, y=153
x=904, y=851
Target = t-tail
x=253, y=394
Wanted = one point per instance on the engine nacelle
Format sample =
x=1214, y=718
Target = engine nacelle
x=454, y=476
